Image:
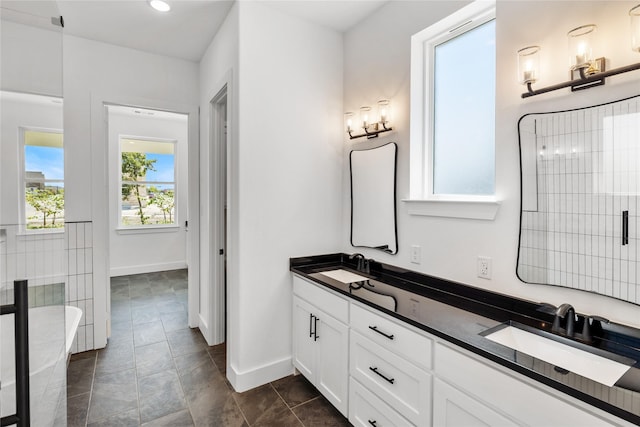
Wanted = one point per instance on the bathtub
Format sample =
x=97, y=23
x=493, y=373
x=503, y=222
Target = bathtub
x=51, y=333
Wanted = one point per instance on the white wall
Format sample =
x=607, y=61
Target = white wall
x=31, y=58
x=218, y=68
x=289, y=179
x=142, y=251
x=450, y=246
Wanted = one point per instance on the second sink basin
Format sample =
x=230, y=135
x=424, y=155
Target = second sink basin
x=344, y=276
x=605, y=368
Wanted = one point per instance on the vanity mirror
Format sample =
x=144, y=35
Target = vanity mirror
x=579, y=220
x=373, y=198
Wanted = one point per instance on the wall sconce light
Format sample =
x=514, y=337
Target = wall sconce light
x=372, y=126
x=528, y=65
x=586, y=72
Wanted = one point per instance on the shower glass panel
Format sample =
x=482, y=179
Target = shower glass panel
x=33, y=246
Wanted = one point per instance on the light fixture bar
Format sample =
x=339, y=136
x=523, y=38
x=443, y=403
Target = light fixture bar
x=370, y=135
x=582, y=83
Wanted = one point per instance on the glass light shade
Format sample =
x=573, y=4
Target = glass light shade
x=581, y=45
x=365, y=117
x=528, y=64
x=348, y=122
x=384, y=111
x=634, y=13
x=160, y=5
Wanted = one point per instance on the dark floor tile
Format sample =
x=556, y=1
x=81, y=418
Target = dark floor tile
x=160, y=394
x=177, y=419
x=172, y=305
x=191, y=361
x=295, y=389
x=278, y=415
x=119, y=291
x=144, y=314
x=257, y=402
x=84, y=355
x=128, y=418
x=116, y=356
x=80, y=375
x=186, y=341
x=175, y=321
x=77, y=410
x=113, y=393
x=148, y=333
x=153, y=358
x=202, y=379
x=320, y=413
x=214, y=408
x=219, y=355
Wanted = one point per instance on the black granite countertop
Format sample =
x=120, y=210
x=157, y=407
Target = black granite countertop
x=461, y=314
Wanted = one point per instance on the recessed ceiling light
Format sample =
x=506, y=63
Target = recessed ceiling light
x=160, y=5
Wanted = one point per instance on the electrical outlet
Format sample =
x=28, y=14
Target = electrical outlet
x=484, y=267
x=414, y=310
x=416, y=254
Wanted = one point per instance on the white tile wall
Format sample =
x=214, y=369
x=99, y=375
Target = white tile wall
x=587, y=170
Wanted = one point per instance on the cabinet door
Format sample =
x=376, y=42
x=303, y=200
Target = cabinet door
x=332, y=368
x=453, y=408
x=304, y=348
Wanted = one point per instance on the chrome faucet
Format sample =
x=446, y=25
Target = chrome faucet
x=566, y=312
x=363, y=263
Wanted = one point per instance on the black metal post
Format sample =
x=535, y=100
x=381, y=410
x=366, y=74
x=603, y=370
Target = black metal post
x=20, y=310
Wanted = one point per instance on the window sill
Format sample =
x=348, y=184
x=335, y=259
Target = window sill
x=148, y=230
x=465, y=209
x=42, y=233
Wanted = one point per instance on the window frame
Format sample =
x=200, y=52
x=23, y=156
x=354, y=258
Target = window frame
x=423, y=46
x=154, y=227
x=22, y=182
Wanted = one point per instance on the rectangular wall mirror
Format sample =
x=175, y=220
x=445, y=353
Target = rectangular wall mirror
x=373, y=198
x=579, y=211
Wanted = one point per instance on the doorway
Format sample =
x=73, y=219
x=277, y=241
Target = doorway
x=218, y=165
x=148, y=200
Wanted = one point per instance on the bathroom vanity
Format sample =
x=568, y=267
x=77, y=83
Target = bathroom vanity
x=392, y=347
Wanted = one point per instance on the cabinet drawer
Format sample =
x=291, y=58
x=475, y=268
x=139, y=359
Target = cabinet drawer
x=403, y=341
x=367, y=410
x=323, y=299
x=401, y=384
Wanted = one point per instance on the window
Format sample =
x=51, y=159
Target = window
x=453, y=107
x=147, y=182
x=43, y=179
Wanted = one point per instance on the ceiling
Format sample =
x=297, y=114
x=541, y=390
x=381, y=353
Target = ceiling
x=187, y=30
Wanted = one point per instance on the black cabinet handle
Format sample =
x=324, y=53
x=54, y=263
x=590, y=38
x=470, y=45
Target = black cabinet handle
x=310, y=325
x=315, y=329
x=390, y=380
x=375, y=329
x=373, y=423
x=625, y=228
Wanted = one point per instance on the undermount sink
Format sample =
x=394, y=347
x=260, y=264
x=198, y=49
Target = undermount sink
x=344, y=276
x=603, y=367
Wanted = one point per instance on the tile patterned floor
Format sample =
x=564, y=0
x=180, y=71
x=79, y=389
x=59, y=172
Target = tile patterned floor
x=155, y=371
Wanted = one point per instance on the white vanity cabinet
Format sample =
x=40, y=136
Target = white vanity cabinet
x=380, y=371
x=321, y=341
x=393, y=362
x=471, y=391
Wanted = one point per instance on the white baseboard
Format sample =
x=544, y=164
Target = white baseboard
x=148, y=268
x=243, y=381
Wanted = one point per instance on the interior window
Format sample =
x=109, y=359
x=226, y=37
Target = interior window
x=148, y=183
x=43, y=179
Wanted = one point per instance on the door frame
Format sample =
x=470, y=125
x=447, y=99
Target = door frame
x=100, y=205
x=218, y=163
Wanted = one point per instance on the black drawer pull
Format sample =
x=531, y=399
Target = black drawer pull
x=373, y=423
x=390, y=380
x=315, y=329
x=310, y=325
x=625, y=228
x=375, y=329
